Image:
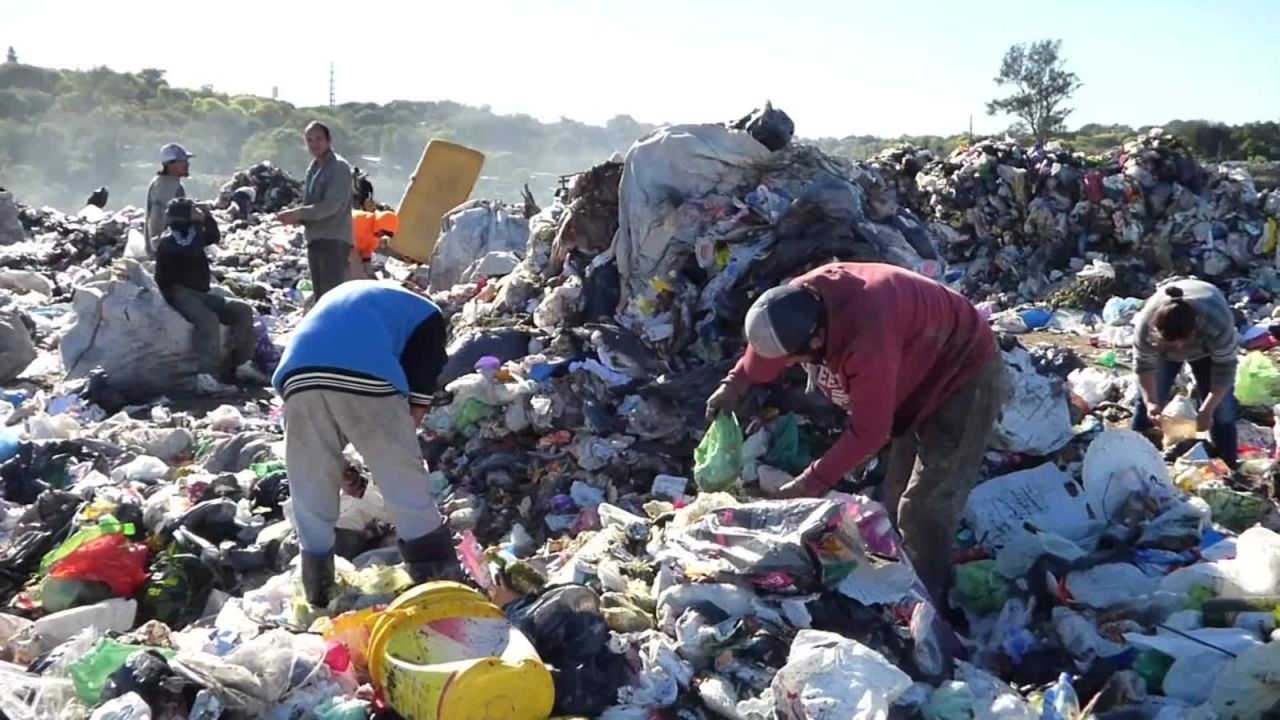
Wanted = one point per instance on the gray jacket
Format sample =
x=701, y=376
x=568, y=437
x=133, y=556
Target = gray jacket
x=163, y=188
x=1216, y=336
x=326, y=198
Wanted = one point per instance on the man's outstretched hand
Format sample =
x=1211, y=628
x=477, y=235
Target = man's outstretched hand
x=726, y=398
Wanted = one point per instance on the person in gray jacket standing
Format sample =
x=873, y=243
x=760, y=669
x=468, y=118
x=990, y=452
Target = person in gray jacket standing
x=165, y=186
x=325, y=214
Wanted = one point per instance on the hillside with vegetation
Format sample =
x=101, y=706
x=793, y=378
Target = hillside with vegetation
x=65, y=132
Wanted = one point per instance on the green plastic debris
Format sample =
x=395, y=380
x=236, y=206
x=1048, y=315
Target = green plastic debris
x=717, y=461
x=267, y=468
x=471, y=412
x=1152, y=666
x=981, y=587
x=89, y=674
x=1198, y=596
x=177, y=589
x=788, y=447
x=1233, y=510
x=107, y=525
x=1257, y=381
x=1108, y=359
x=336, y=708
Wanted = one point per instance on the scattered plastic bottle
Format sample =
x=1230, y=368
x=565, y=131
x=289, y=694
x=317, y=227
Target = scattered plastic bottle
x=1060, y=701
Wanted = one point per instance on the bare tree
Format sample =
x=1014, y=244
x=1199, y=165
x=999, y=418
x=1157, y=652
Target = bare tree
x=1040, y=85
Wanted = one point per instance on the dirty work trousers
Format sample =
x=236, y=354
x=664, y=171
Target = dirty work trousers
x=318, y=425
x=1223, y=432
x=330, y=262
x=207, y=312
x=357, y=268
x=932, y=469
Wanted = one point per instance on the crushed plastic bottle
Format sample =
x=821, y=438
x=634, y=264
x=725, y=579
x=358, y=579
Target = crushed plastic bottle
x=1060, y=701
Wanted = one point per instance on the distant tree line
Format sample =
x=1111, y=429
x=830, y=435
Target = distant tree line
x=65, y=132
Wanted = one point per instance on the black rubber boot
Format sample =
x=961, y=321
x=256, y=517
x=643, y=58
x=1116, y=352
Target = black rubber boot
x=317, y=578
x=431, y=557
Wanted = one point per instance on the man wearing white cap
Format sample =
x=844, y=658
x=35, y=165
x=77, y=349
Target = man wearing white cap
x=165, y=186
x=913, y=363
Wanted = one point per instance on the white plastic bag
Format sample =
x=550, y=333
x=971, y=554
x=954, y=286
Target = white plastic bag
x=1108, y=585
x=977, y=696
x=1036, y=419
x=1255, y=570
x=143, y=468
x=226, y=418
x=129, y=706
x=1196, y=666
x=828, y=676
x=1090, y=385
x=1044, y=496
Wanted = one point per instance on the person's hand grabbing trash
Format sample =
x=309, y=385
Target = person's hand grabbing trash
x=726, y=398
x=287, y=217
x=781, y=485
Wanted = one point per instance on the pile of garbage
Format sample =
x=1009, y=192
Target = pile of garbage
x=1009, y=215
x=623, y=564
x=273, y=188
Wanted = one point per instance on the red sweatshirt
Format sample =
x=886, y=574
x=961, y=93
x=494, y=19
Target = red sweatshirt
x=898, y=345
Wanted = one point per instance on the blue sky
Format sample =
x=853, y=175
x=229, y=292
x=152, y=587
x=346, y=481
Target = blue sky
x=839, y=68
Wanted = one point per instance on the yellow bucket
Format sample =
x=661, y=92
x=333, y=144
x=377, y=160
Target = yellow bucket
x=441, y=651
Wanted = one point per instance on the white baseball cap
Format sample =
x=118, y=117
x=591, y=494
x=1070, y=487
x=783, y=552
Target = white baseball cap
x=173, y=152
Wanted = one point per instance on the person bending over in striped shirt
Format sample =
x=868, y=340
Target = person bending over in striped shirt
x=360, y=369
x=1189, y=321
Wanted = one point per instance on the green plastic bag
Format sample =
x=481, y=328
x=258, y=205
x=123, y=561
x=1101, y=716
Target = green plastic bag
x=471, y=412
x=1257, y=381
x=788, y=447
x=1236, y=511
x=717, y=461
x=982, y=589
x=89, y=674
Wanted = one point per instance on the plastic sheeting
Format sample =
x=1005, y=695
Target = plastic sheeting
x=125, y=327
x=661, y=171
x=470, y=232
x=1046, y=497
x=828, y=676
x=1036, y=420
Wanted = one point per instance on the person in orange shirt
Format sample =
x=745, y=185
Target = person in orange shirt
x=370, y=228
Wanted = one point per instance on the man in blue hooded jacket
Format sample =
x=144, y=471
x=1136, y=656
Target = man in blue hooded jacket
x=360, y=369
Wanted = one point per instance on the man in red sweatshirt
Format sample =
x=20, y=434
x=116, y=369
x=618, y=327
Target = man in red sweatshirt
x=912, y=362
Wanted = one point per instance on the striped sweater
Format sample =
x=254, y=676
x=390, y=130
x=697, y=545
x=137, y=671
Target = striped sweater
x=1216, y=336
x=366, y=338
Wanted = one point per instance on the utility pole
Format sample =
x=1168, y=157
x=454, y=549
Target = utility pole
x=332, y=97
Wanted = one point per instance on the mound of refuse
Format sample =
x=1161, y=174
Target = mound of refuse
x=624, y=564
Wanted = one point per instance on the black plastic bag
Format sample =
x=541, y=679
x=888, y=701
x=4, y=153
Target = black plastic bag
x=39, y=530
x=770, y=127
x=571, y=636
x=269, y=494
